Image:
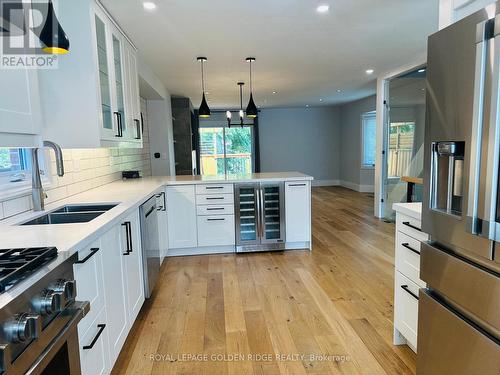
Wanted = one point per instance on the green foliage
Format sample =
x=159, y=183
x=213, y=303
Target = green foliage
x=5, y=163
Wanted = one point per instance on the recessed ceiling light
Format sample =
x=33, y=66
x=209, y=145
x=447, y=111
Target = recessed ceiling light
x=149, y=5
x=339, y=90
x=421, y=70
x=307, y=105
x=369, y=71
x=275, y=92
x=323, y=8
x=321, y=100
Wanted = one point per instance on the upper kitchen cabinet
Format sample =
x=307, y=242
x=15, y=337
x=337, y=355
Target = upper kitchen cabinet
x=92, y=98
x=20, y=113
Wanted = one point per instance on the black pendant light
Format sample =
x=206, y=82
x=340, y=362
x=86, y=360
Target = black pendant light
x=204, y=111
x=53, y=37
x=251, y=107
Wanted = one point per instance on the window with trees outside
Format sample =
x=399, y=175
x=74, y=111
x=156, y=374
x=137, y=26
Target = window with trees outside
x=15, y=164
x=226, y=151
x=369, y=137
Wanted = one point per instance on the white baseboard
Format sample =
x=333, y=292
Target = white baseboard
x=325, y=182
x=357, y=187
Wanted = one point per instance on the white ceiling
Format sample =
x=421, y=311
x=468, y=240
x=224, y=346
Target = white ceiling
x=303, y=55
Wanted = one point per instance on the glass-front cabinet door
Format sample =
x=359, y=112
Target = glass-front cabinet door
x=103, y=55
x=247, y=211
x=272, y=212
x=119, y=87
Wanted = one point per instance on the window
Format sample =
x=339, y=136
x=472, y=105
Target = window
x=369, y=137
x=400, y=156
x=226, y=150
x=15, y=163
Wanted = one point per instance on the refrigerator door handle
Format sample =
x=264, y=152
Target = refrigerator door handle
x=257, y=212
x=479, y=209
x=262, y=214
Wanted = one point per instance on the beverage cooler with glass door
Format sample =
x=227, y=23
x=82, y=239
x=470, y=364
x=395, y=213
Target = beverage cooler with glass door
x=260, y=216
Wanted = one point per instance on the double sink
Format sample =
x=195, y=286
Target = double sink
x=71, y=214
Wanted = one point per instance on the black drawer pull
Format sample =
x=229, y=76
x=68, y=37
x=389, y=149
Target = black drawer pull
x=407, y=290
x=221, y=219
x=150, y=211
x=407, y=223
x=138, y=128
x=128, y=233
x=92, y=252
x=407, y=245
x=215, y=208
x=119, y=124
x=297, y=184
x=94, y=340
x=214, y=198
x=214, y=187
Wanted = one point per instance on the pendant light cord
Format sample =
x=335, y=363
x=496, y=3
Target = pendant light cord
x=251, y=89
x=202, y=78
x=241, y=97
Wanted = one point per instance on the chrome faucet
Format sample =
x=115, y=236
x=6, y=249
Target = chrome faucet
x=37, y=189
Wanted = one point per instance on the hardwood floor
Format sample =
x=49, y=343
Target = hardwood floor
x=336, y=301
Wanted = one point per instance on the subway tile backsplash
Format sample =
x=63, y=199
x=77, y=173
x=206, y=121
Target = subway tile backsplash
x=84, y=169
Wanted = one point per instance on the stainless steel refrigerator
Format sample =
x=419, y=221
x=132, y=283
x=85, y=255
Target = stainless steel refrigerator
x=459, y=311
x=260, y=217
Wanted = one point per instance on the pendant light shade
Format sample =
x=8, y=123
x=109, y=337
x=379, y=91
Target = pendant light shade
x=204, y=110
x=52, y=36
x=251, y=107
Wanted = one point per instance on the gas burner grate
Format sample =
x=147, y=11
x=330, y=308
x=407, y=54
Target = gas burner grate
x=16, y=264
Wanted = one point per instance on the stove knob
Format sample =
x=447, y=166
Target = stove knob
x=23, y=327
x=49, y=302
x=66, y=287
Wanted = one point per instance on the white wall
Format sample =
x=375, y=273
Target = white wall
x=306, y=140
x=451, y=11
x=352, y=175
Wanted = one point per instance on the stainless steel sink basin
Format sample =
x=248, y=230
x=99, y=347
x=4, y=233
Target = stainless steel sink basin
x=85, y=208
x=71, y=214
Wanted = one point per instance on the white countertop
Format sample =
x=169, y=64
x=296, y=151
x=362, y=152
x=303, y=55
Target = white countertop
x=413, y=210
x=129, y=195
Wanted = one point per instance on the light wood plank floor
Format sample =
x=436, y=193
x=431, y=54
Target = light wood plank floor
x=336, y=301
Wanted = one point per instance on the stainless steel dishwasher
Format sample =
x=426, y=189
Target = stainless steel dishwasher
x=150, y=244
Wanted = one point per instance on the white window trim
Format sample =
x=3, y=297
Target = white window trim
x=371, y=114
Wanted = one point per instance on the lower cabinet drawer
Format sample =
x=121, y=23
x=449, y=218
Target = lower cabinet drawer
x=406, y=308
x=212, y=209
x=94, y=347
x=215, y=199
x=216, y=230
x=408, y=257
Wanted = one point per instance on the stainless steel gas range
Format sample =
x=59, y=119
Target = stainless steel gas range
x=38, y=312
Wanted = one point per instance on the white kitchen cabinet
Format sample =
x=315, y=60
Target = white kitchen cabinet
x=20, y=112
x=90, y=282
x=162, y=224
x=93, y=344
x=216, y=230
x=181, y=214
x=85, y=100
x=132, y=265
x=406, y=308
x=113, y=260
x=298, y=211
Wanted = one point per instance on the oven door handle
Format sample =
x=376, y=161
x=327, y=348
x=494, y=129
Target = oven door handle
x=78, y=310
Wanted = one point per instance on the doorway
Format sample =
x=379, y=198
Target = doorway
x=404, y=128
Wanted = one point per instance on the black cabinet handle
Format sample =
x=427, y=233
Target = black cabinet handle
x=150, y=211
x=407, y=223
x=214, y=198
x=407, y=290
x=214, y=187
x=92, y=252
x=128, y=233
x=215, y=208
x=297, y=185
x=119, y=123
x=94, y=340
x=219, y=219
x=138, y=125
x=407, y=245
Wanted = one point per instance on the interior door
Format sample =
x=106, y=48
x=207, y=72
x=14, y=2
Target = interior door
x=272, y=212
x=247, y=218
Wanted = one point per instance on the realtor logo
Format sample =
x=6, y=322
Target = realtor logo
x=27, y=32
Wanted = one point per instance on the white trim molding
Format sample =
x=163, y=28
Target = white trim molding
x=357, y=187
x=325, y=183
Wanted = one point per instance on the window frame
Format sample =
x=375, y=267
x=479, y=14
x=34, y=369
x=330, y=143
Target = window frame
x=364, y=117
